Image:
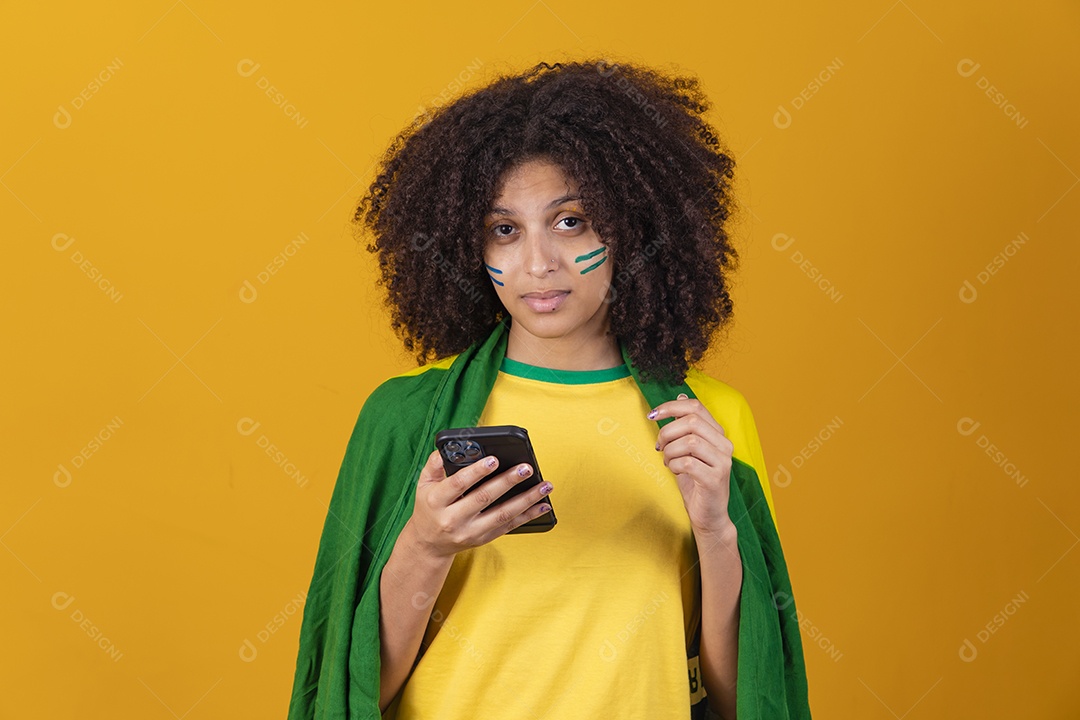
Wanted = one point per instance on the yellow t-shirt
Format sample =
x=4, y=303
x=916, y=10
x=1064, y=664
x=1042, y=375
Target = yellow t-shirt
x=592, y=618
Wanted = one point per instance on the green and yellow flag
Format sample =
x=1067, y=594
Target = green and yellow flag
x=338, y=663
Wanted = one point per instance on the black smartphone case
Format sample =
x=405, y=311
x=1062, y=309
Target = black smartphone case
x=460, y=447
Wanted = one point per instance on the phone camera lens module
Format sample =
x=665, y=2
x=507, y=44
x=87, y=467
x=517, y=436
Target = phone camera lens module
x=453, y=446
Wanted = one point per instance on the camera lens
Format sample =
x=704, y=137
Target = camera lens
x=456, y=457
x=453, y=446
x=472, y=451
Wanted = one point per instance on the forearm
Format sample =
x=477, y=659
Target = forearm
x=721, y=586
x=410, y=582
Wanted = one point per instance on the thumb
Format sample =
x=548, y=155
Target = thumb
x=433, y=469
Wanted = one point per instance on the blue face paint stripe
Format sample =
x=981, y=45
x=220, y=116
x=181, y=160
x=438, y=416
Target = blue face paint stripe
x=497, y=270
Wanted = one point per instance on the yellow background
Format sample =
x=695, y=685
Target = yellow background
x=180, y=180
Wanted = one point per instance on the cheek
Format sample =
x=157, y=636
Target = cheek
x=494, y=266
x=497, y=256
x=597, y=283
x=496, y=273
x=591, y=262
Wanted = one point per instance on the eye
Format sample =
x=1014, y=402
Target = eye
x=577, y=222
x=495, y=228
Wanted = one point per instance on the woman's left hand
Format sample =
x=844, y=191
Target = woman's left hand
x=698, y=452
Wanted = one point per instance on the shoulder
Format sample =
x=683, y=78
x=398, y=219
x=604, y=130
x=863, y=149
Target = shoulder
x=410, y=388
x=443, y=364
x=727, y=405
x=730, y=409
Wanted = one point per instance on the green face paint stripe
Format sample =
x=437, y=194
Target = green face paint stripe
x=594, y=265
x=592, y=254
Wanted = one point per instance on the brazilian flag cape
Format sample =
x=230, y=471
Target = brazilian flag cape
x=337, y=667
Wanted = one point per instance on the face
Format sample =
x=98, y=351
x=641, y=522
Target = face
x=537, y=218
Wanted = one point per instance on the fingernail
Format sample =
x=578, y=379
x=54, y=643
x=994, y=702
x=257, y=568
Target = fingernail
x=682, y=396
x=652, y=415
x=545, y=488
x=491, y=462
x=524, y=471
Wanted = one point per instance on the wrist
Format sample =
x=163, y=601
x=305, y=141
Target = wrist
x=723, y=534
x=417, y=550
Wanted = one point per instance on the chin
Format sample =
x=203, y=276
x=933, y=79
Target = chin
x=546, y=325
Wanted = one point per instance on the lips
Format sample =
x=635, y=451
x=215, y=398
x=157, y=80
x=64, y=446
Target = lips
x=544, y=295
x=546, y=301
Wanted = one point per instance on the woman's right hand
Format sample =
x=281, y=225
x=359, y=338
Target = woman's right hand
x=445, y=522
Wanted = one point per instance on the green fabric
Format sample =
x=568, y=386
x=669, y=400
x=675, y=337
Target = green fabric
x=565, y=377
x=337, y=667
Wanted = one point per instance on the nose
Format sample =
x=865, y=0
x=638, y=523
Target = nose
x=540, y=250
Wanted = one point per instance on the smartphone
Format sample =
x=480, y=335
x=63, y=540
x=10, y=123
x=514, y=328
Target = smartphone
x=461, y=447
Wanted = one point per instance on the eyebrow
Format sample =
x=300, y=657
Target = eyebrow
x=554, y=203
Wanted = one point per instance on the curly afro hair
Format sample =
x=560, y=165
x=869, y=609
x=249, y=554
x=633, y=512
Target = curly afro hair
x=654, y=181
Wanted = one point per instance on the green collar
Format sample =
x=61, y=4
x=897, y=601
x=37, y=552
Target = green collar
x=475, y=370
x=563, y=377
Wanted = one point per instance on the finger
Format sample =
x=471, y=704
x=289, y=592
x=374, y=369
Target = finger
x=689, y=466
x=690, y=425
x=681, y=407
x=493, y=489
x=716, y=456
x=665, y=409
x=530, y=513
x=459, y=483
x=505, y=516
x=517, y=504
x=433, y=469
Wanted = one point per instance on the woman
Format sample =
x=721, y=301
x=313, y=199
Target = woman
x=554, y=249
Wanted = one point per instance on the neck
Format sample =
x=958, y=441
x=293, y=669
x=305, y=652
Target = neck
x=570, y=352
